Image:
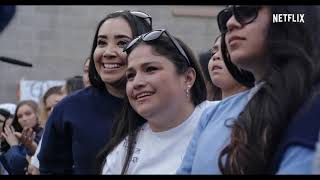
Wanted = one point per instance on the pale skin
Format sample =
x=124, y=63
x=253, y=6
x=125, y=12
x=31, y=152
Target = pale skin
x=248, y=52
x=109, y=58
x=166, y=89
x=2, y=119
x=219, y=74
x=27, y=119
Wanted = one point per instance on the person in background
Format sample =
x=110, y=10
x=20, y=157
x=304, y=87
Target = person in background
x=85, y=74
x=25, y=121
x=72, y=84
x=50, y=98
x=220, y=75
x=4, y=146
x=80, y=124
x=4, y=115
x=10, y=107
x=213, y=92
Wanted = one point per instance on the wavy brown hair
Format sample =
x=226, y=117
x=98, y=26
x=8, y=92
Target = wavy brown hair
x=293, y=69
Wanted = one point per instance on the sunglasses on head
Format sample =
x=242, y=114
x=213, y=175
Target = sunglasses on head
x=140, y=14
x=153, y=35
x=243, y=14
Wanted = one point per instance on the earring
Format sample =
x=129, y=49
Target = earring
x=188, y=90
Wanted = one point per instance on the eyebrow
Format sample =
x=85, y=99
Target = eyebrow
x=143, y=65
x=119, y=36
x=215, y=48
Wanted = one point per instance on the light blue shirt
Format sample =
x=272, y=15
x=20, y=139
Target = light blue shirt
x=212, y=135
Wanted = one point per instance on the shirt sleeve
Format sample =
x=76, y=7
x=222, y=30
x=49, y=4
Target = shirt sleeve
x=187, y=162
x=16, y=159
x=55, y=155
x=297, y=160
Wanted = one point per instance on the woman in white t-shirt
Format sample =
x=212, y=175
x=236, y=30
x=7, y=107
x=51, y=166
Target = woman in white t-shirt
x=165, y=96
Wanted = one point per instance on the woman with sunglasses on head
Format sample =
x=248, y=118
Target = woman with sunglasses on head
x=272, y=128
x=166, y=94
x=80, y=124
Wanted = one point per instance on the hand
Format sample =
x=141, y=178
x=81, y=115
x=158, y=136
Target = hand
x=26, y=137
x=9, y=135
x=32, y=170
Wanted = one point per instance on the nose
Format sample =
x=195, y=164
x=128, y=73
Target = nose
x=110, y=51
x=138, y=82
x=232, y=23
x=216, y=56
x=24, y=118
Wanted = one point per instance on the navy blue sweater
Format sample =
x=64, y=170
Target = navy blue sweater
x=303, y=130
x=77, y=129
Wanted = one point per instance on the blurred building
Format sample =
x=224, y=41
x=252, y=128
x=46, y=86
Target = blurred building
x=56, y=39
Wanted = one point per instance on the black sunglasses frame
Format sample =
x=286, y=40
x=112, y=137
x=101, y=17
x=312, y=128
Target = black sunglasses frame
x=147, y=37
x=236, y=11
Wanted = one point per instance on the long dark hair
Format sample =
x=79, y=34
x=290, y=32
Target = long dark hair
x=130, y=121
x=138, y=26
x=293, y=55
x=4, y=146
x=204, y=59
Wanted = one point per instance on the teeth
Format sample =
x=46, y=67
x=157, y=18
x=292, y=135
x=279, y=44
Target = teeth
x=144, y=94
x=111, y=66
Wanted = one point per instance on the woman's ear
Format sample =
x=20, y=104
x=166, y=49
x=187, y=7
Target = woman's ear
x=190, y=77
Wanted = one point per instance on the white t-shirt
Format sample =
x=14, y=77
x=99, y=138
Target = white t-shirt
x=34, y=159
x=156, y=152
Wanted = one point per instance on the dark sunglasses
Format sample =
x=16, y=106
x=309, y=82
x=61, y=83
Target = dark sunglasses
x=140, y=14
x=153, y=35
x=243, y=14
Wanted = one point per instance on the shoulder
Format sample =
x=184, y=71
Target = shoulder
x=83, y=96
x=206, y=108
x=297, y=160
x=205, y=104
x=115, y=160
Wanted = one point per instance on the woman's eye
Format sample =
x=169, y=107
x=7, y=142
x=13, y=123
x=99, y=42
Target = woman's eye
x=130, y=76
x=212, y=52
x=122, y=44
x=151, y=69
x=101, y=42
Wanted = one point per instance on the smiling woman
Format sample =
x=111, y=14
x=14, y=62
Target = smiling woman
x=81, y=123
x=165, y=96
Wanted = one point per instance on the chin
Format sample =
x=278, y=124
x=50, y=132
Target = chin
x=144, y=111
x=237, y=58
x=110, y=79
